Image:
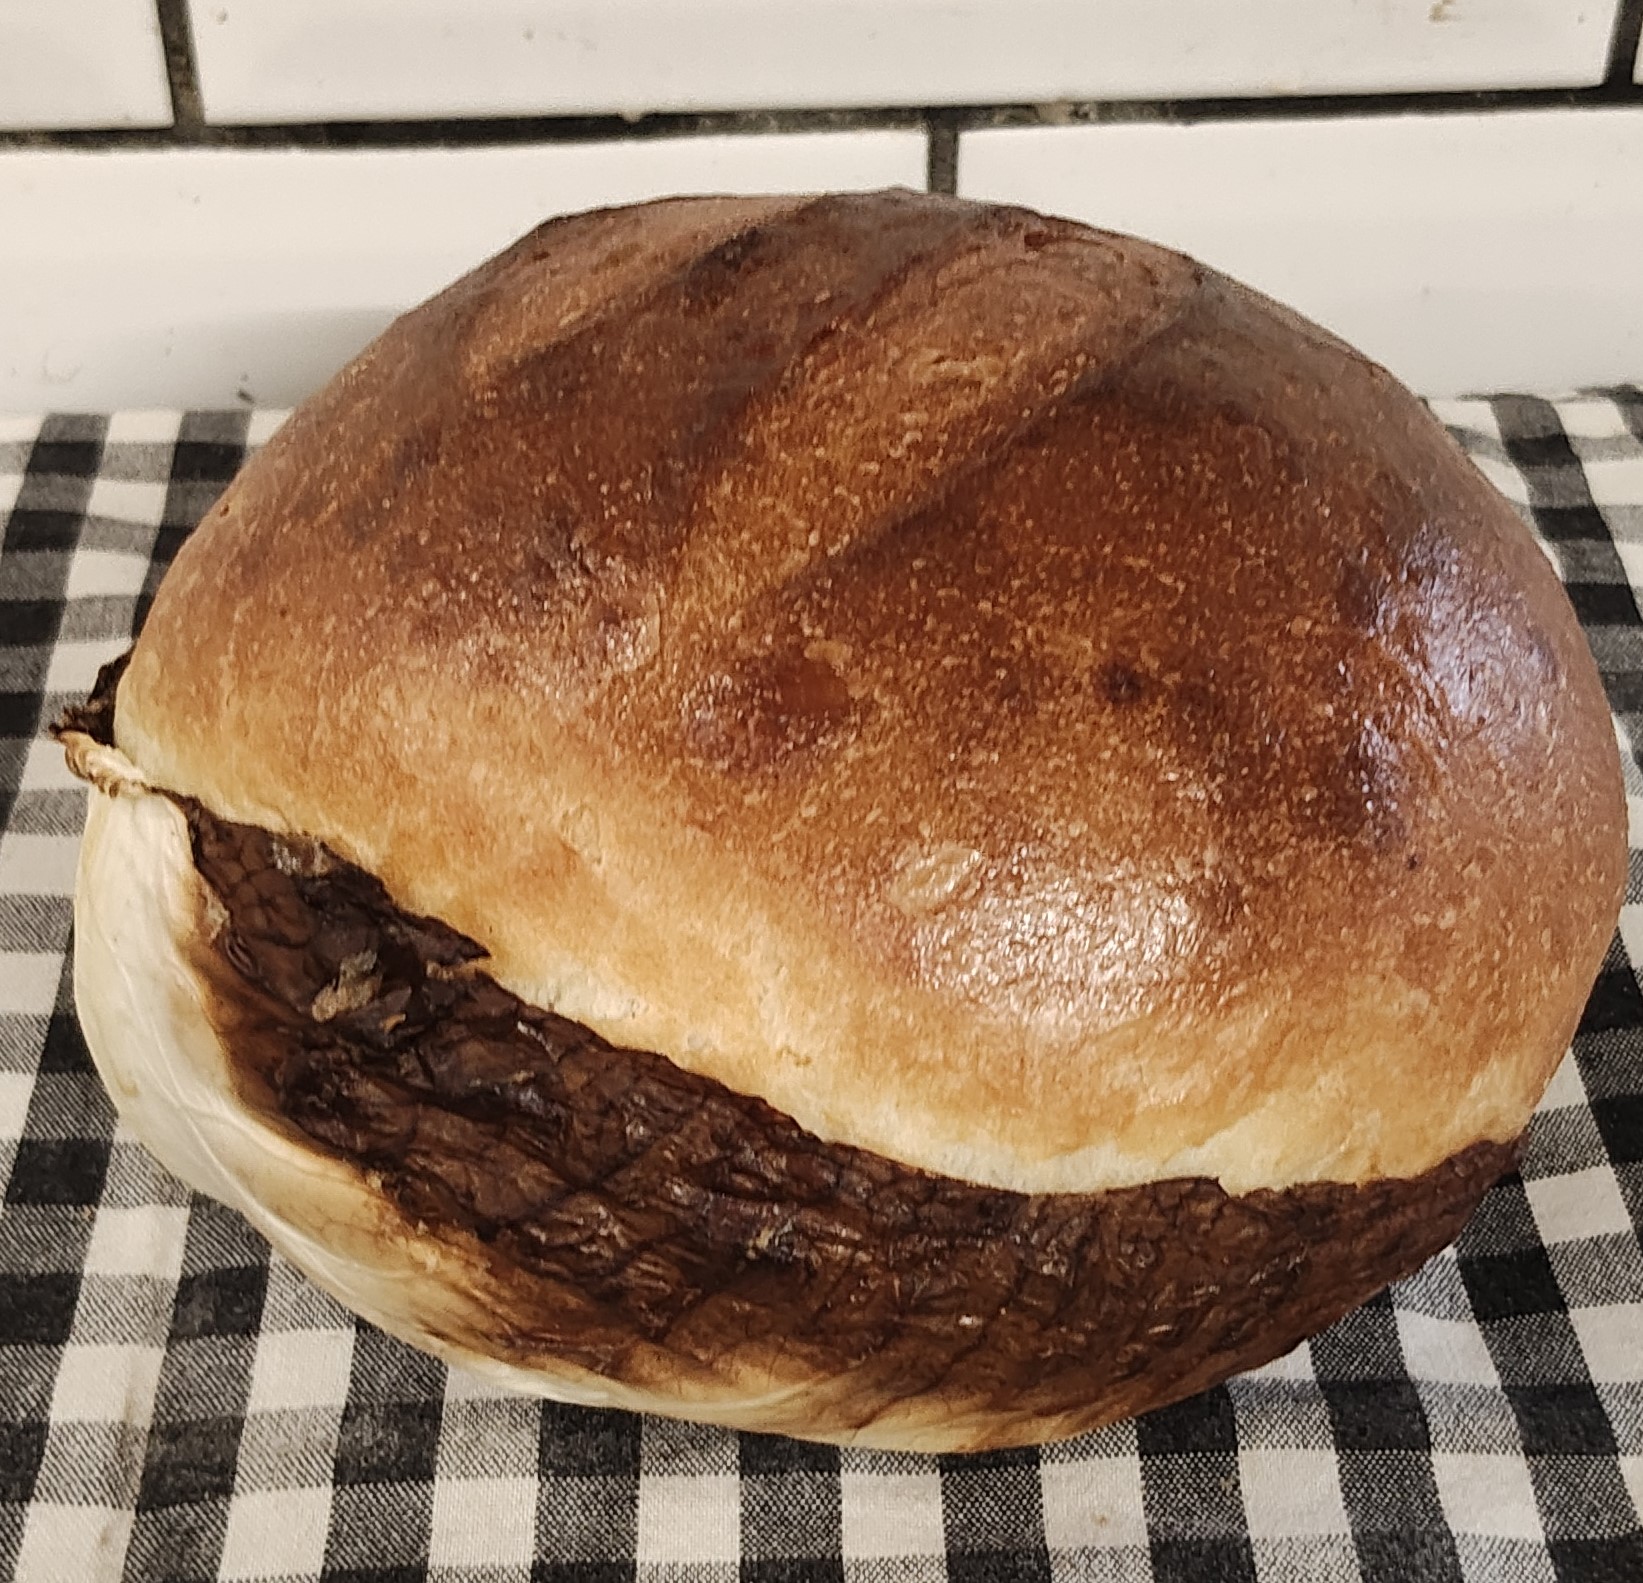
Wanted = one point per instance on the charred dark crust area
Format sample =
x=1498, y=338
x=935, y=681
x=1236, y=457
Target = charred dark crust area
x=95, y=717
x=633, y=1211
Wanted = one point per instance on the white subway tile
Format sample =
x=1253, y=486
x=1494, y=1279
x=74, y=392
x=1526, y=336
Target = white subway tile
x=1465, y=252
x=81, y=63
x=207, y=277
x=284, y=60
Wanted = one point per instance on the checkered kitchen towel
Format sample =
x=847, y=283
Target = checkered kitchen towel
x=176, y=1403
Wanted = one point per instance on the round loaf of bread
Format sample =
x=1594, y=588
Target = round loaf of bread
x=874, y=817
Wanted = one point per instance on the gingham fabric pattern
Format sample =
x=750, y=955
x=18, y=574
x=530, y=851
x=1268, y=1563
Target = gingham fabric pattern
x=176, y=1403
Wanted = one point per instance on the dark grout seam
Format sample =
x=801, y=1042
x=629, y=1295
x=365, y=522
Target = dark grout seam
x=941, y=164
x=478, y=131
x=181, y=71
x=942, y=124
x=1301, y=107
x=1623, y=57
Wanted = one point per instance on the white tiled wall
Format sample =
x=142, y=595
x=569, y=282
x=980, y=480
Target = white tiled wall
x=294, y=60
x=209, y=278
x=1466, y=252
x=74, y=63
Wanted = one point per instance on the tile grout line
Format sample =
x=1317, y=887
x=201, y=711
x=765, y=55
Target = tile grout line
x=941, y=165
x=1625, y=64
x=192, y=130
x=181, y=69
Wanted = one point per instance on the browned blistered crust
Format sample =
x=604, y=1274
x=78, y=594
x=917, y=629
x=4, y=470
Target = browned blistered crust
x=1007, y=696
x=650, y=1226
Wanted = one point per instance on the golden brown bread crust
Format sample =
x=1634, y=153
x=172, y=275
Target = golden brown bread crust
x=1006, y=696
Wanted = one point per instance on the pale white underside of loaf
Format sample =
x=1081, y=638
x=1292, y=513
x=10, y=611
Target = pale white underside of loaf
x=142, y=1008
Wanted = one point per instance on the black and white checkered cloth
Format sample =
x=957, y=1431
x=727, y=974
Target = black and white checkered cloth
x=177, y=1403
